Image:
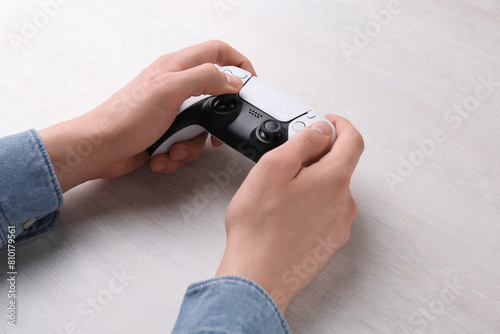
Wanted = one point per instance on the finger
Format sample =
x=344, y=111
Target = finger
x=203, y=79
x=216, y=142
x=215, y=52
x=348, y=146
x=304, y=147
x=161, y=163
x=188, y=150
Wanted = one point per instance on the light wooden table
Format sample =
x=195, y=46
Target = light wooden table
x=412, y=76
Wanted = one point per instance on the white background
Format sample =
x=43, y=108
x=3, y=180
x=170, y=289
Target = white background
x=423, y=256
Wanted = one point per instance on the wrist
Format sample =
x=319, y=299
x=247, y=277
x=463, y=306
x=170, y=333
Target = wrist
x=76, y=149
x=238, y=262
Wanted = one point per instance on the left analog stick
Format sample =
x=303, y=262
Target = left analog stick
x=223, y=104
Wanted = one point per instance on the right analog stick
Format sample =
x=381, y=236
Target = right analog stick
x=270, y=131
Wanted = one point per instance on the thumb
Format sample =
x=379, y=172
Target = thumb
x=304, y=147
x=203, y=79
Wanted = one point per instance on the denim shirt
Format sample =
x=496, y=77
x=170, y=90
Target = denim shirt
x=30, y=197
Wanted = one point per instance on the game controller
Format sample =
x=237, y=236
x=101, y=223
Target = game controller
x=256, y=120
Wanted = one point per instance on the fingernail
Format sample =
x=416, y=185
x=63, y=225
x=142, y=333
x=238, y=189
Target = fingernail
x=322, y=127
x=183, y=155
x=159, y=166
x=233, y=80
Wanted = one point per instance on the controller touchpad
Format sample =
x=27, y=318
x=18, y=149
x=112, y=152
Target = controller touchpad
x=272, y=101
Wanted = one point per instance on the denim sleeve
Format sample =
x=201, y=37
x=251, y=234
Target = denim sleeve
x=229, y=304
x=29, y=191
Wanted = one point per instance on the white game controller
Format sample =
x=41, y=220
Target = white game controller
x=254, y=121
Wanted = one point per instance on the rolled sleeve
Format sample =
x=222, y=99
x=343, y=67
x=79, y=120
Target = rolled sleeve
x=30, y=193
x=229, y=304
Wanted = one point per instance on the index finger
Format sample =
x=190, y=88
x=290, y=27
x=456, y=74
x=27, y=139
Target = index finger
x=213, y=52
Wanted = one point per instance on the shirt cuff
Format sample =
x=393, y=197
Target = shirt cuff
x=229, y=304
x=30, y=193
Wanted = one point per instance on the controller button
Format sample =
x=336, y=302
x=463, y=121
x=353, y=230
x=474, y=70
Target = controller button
x=242, y=75
x=311, y=115
x=297, y=126
x=270, y=131
x=223, y=105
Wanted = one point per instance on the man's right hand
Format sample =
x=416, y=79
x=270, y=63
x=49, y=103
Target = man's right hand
x=287, y=220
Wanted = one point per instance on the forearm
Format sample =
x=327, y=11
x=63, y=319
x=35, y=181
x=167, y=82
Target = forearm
x=75, y=148
x=229, y=304
x=30, y=193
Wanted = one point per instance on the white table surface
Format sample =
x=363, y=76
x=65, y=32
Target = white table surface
x=423, y=256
